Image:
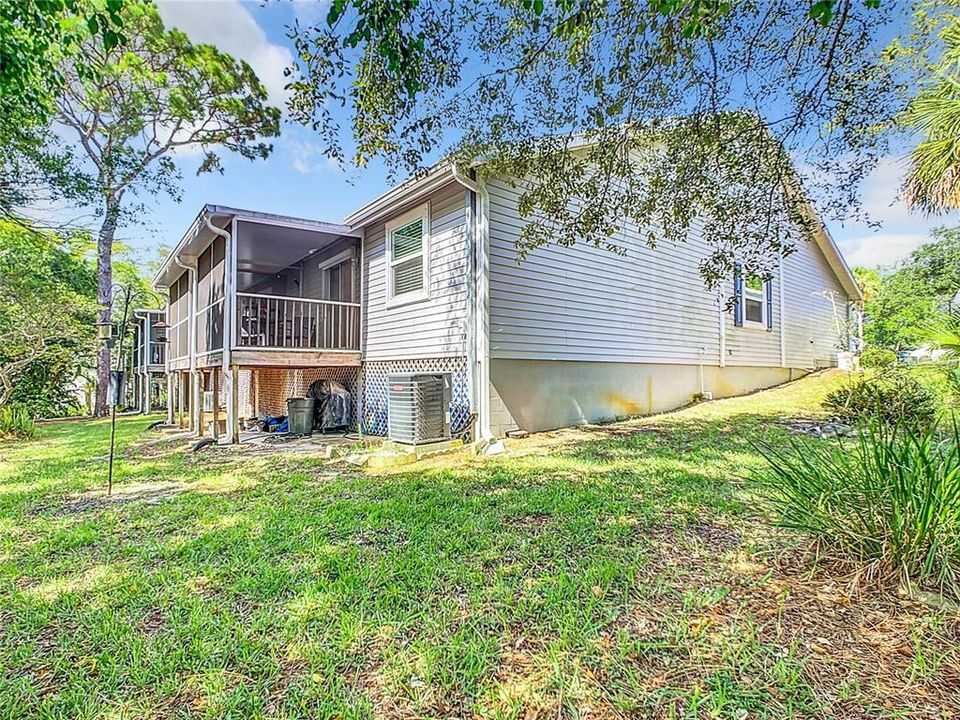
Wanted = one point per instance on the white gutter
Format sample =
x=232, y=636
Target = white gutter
x=228, y=325
x=783, y=316
x=481, y=304
x=145, y=404
x=404, y=194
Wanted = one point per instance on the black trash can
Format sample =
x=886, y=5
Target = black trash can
x=300, y=415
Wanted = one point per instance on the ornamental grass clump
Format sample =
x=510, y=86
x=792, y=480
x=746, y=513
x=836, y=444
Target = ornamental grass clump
x=16, y=421
x=894, y=395
x=888, y=501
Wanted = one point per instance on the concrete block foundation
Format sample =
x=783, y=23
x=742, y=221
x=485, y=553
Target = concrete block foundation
x=538, y=395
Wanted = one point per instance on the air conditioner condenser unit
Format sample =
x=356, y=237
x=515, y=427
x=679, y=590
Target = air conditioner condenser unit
x=419, y=407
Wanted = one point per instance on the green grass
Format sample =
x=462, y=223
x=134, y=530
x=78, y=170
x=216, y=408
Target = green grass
x=605, y=572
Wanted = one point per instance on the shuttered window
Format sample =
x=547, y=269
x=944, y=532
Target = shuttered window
x=753, y=298
x=754, y=306
x=406, y=245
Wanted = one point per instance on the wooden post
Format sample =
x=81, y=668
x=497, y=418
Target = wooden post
x=215, y=374
x=233, y=404
x=202, y=384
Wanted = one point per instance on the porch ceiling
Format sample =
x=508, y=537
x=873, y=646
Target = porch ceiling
x=264, y=247
x=274, y=235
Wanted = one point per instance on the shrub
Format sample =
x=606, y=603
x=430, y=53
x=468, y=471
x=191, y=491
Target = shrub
x=16, y=420
x=895, y=396
x=874, y=357
x=891, y=503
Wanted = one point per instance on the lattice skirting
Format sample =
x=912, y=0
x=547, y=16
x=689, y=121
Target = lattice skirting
x=264, y=391
x=373, y=381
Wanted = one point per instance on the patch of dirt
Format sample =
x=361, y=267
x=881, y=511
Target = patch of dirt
x=160, y=447
x=147, y=493
x=719, y=537
x=628, y=431
x=716, y=537
x=291, y=670
x=859, y=651
x=896, y=649
x=533, y=523
x=153, y=622
x=380, y=538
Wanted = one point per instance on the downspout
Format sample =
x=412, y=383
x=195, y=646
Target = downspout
x=470, y=334
x=166, y=364
x=721, y=331
x=478, y=346
x=783, y=316
x=858, y=309
x=145, y=401
x=195, y=398
x=228, y=326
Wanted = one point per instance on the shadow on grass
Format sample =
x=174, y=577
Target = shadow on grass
x=611, y=572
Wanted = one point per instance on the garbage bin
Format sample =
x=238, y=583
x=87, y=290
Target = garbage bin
x=300, y=415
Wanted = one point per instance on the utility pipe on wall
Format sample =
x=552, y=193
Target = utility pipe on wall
x=481, y=304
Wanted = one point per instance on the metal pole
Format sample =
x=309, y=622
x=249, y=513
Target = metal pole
x=113, y=406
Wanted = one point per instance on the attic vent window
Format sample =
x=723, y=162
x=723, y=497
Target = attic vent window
x=407, y=254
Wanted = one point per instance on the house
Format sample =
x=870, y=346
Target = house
x=426, y=278
x=148, y=360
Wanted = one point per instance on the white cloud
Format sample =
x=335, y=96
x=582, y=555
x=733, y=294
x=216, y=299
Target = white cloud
x=306, y=157
x=880, y=249
x=900, y=231
x=310, y=12
x=229, y=26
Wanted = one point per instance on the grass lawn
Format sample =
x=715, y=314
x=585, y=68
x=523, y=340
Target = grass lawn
x=619, y=571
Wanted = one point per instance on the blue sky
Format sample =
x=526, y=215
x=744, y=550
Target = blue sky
x=298, y=180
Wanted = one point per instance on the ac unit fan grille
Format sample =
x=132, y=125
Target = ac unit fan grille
x=419, y=408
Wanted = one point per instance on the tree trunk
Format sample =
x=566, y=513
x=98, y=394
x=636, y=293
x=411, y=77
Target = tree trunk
x=105, y=296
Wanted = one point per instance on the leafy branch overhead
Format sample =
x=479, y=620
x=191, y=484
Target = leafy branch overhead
x=674, y=116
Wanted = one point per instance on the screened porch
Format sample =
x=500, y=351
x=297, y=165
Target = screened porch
x=297, y=289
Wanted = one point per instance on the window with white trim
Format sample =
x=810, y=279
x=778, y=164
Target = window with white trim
x=407, y=257
x=754, y=300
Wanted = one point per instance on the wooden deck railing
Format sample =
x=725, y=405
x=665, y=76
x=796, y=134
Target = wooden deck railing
x=157, y=354
x=278, y=322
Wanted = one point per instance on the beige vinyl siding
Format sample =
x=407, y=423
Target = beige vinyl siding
x=430, y=328
x=650, y=305
x=811, y=326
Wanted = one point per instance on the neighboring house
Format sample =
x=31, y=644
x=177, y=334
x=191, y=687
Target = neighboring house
x=426, y=278
x=923, y=354
x=149, y=360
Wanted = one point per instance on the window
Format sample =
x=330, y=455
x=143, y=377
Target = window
x=407, y=257
x=754, y=300
x=336, y=277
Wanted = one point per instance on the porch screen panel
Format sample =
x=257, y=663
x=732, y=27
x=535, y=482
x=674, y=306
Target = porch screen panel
x=177, y=316
x=204, y=296
x=217, y=269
